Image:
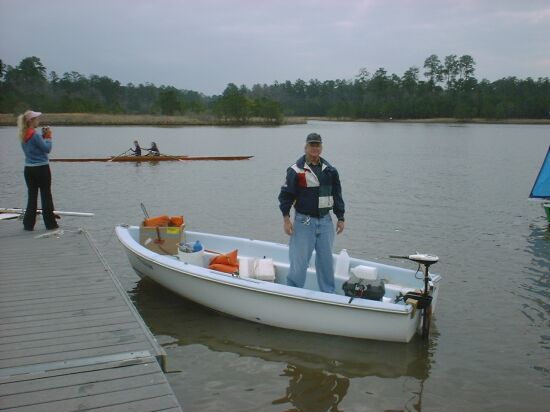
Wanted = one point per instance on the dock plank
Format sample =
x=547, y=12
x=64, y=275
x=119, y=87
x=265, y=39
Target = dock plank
x=112, y=328
x=57, y=314
x=123, y=335
x=59, y=380
x=62, y=306
x=81, y=324
x=93, y=341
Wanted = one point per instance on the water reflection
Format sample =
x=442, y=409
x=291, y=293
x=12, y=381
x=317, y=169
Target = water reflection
x=312, y=390
x=536, y=282
x=146, y=163
x=318, y=367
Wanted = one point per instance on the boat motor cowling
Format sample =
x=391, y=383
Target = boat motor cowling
x=355, y=287
x=423, y=258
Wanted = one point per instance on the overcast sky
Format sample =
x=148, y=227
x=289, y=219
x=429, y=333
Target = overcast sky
x=204, y=45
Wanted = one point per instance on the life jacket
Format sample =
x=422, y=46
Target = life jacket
x=164, y=220
x=227, y=263
x=28, y=134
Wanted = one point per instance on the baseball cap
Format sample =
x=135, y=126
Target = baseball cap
x=29, y=114
x=314, y=138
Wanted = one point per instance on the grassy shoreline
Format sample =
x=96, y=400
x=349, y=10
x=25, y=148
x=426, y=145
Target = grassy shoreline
x=103, y=119
x=451, y=120
x=93, y=119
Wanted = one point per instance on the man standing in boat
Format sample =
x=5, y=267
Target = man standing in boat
x=312, y=185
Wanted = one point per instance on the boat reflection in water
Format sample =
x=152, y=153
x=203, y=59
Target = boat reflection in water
x=318, y=367
x=534, y=287
x=310, y=389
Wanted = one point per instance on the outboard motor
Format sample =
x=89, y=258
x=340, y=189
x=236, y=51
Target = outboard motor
x=362, y=288
x=364, y=283
x=424, y=300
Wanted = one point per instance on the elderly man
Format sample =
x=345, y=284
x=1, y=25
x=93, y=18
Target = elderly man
x=312, y=185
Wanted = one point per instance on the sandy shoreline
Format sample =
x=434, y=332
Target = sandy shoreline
x=92, y=119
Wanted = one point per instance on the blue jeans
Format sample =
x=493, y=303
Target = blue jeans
x=312, y=233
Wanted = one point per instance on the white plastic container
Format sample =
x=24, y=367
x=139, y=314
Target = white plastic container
x=365, y=272
x=342, y=264
x=246, y=267
x=193, y=258
x=264, y=269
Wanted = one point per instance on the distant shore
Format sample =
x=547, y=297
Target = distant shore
x=101, y=119
x=93, y=119
x=452, y=120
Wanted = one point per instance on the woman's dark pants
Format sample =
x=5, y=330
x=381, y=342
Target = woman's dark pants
x=39, y=178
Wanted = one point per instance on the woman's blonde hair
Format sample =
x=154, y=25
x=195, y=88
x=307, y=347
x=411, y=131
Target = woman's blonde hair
x=22, y=125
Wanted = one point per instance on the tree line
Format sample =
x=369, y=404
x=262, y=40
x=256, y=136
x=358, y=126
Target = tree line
x=443, y=88
x=29, y=85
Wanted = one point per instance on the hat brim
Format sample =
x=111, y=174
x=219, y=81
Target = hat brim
x=33, y=115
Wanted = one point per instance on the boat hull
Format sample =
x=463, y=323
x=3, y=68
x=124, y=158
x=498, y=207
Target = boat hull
x=150, y=158
x=275, y=304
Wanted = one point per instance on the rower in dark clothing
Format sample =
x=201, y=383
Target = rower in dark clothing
x=137, y=150
x=153, y=150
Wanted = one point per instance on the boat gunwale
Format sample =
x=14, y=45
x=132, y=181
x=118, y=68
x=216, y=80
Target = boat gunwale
x=228, y=280
x=434, y=277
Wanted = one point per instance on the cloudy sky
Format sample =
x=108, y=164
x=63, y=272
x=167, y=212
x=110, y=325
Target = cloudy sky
x=203, y=45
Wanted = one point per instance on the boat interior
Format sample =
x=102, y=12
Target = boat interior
x=396, y=280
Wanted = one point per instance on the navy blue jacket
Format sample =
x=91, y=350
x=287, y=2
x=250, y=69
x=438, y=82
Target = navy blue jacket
x=312, y=195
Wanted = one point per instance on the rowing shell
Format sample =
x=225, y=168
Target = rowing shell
x=149, y=158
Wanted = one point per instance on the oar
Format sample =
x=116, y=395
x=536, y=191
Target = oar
x=144, y=211
x=55, y=212
x=122, y=154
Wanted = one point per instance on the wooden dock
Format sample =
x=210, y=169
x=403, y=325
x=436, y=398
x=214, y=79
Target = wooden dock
x=70, y=338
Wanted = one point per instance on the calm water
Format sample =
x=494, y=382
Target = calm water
x=456, y=191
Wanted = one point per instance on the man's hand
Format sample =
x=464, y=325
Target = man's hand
x=340, y=227
x=287, y=225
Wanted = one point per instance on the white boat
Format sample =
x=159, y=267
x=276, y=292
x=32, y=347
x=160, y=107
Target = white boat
x=541, y=187
x=275, y=303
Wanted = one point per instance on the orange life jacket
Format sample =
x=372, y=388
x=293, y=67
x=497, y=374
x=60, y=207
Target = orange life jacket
x=164, y=220
x=227, y=263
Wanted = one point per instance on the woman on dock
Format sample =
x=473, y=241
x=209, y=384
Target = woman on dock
x=36, y=147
